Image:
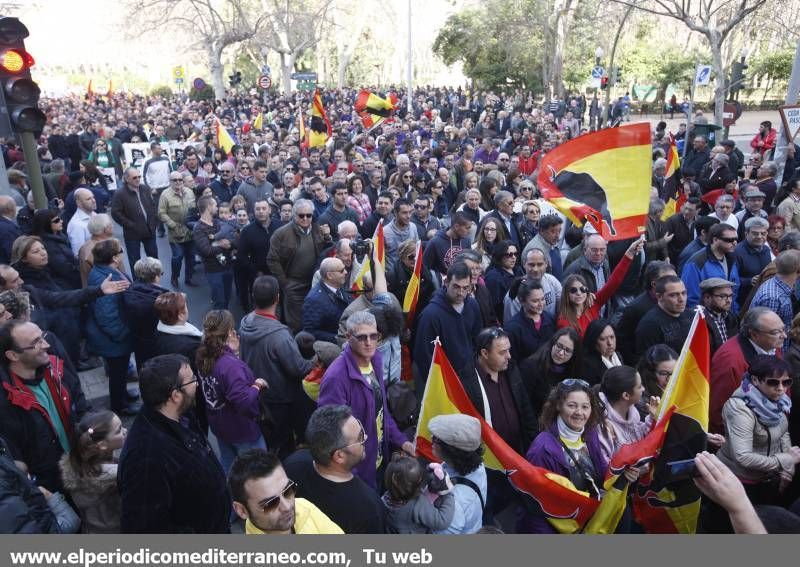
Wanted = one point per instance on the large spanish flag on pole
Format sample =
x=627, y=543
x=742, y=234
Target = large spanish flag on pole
x=224, y=139
x=675, y=196
x=412, y=291
x=603, y=178
x=320, y=127
x=662, y=506
x=567, y=509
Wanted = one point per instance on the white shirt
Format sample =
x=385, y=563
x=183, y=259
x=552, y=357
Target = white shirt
x=78, y=230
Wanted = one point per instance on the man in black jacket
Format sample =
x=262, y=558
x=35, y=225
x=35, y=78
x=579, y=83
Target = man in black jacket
x=133, y=207
x=254, y=246
x=25, y=510
x=40, y=402
x=169, y=479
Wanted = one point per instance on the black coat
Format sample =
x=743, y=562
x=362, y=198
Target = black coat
x=186, y=345
x=137, y=303
x=253, y=246
x=23, y=509
x=126, y=211
x=626, y=327
x=61, y=262
x=27, y=428
x=169, y=479
x=593, y=367
x=525, y=338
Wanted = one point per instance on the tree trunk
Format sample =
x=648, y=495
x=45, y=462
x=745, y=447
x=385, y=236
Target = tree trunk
x=287, y=68
x=563, y=19
x=344, y=60
x=216, y=68
x=715, y=41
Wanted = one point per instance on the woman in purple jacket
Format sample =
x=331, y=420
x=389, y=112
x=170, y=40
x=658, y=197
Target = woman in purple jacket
x=229, y=388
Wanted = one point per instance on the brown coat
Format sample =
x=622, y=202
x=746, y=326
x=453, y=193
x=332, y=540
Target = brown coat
x=283, y=246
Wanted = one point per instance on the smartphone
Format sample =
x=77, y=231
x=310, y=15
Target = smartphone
x=682, y=470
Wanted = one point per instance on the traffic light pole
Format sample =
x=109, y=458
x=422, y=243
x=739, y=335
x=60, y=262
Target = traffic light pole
x=782, y=145
x=34, y=169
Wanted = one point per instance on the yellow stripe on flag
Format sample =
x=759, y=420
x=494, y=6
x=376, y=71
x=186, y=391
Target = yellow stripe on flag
x=224, y=139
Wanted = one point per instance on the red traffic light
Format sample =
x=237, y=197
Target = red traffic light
x=15, y=60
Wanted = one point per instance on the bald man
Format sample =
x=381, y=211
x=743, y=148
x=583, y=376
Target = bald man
x=78, y=227
x=325, y=303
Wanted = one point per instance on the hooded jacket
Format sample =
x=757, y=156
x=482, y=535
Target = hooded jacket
x=268, y=348
x=96, y=497
x=24, y=509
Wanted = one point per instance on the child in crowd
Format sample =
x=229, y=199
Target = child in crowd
x=417, y=500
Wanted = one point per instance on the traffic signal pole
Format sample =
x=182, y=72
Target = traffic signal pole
x=34, y=169
x=782, y=142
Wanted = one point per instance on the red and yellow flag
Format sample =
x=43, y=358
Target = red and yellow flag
x=89, y=91
x=673, y=507
x=110, y=91
x=412, y=291
x=603, y=178
x=675, y=196
x=301, y=126
x=379, y=243
x=374, y=110
x=224, y=139
x=258, y=123
x=320, y=126
x=567, y=509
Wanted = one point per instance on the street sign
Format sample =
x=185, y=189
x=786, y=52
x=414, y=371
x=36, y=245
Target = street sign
x=702, y=75
x=199, y=84
x=729, y=115
x=178, y=73
x=265, y=70
x=311, y=76
x=598, y=72
x=265, y=82
x=790, y=114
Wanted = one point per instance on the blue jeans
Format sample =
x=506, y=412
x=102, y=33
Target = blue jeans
x=133, y=248
x=182, y=252
x=220, y=284
x=229, y=451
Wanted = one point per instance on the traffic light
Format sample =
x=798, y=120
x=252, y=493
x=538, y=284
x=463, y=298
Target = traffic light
x=604, y=82
x=617, y=75
x=19, y=111
x=738, y=77
x=235, y=79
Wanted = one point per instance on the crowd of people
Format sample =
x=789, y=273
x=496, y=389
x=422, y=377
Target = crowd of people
x=300, y=416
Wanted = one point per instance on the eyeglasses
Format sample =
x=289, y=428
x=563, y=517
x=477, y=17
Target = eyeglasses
x=194, y=380
x=563, y=349
x=723, y=295
x=489, y=229
x=362, y=438
x=270, y=504
x=178, y=180
x=305, y=215
x=57, y=220
x=580, y=289
x=371, y=337
x=502, y=159
x=774, y=382
x=40, y=342
x=525, y=188
x=773, y=332
x=571, y=383
x=510, y=255
x=406, y=177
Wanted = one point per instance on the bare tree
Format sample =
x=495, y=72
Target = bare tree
x=291, y=28
x=215, y=24
x=349, y=23
x=712, y=19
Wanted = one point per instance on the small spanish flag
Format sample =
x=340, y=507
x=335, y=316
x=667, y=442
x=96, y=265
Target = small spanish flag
x=224, y=139
x=380, y=245
x=258, y=123
x=110, y=91
x=372, y=109
x=320, y=126
x=567, y=509
x=89, y=91
x=675, y=195
x=412, y=291
x=301, y=126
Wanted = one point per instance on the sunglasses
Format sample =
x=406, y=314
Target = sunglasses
x=420, y=207
x=270, y=504
x=774, y=382
x=371, y=337
x=571, y=383
x=730, y=240
x=580, y=289
x=305, y=215
x=510, y=255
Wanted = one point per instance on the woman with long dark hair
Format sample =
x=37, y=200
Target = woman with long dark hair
x=557, y=359
x=61, y=262
x=502, y=272
x=229, y=388
x=599, y=350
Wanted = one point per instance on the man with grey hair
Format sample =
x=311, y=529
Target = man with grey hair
x=133, y=207
x=765, y=181
x=77, y=229
x=324, y=471
x=715, y=175
x=324, y=305
x=347, y=229
x=777, y=293
x=292, y=258
x=356, y=379
x=535, y=264
x=723, y=210
x=139, y=302
x=752, y=255
x=504, y=212
x=100, y=228
x=659, y=177
x=593, y=263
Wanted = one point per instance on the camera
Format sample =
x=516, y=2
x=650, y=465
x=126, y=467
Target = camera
x=360, y=248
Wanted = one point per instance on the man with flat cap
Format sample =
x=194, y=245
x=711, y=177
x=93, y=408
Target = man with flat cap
x=457, y=442
x=717, y=299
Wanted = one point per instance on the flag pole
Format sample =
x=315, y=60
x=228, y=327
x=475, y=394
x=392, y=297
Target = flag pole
x=691, y=110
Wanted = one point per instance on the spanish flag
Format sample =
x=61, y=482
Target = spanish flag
x=320, y=126
x=662, y=506
x=412, y=291
x=567, y=509
x=89, y=91
x=379, y=243
x=224, y=139
x=110, y=91
x=672, y=181
x=374, y=110
x=258, y=123
x=603, y=178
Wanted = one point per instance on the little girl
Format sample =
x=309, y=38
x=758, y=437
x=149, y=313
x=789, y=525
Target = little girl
x=417, y=503
x=90, y=472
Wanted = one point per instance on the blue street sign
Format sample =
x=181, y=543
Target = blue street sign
x=598, y=72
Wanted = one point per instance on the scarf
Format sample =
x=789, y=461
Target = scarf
x=567, y=433
x=611, y=362
x=182, y=329
x=767, y=412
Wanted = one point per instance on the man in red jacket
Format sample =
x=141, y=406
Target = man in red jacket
x=762, y=332
x=764, y=141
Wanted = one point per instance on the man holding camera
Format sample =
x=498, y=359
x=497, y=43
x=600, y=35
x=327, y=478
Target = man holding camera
x=216, y=253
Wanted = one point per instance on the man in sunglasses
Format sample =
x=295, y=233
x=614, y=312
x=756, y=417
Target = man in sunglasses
x=169, y=479
x=716, y=260
x=264, y=497
x=777, y=293
x=226, y=186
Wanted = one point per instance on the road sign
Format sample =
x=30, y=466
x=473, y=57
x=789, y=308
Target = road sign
x=729, y=114
x=265, y=82
x=178, y=73
x=598, y=72
x=790, y=114
x=265, y=70
x=702, y=75
x=199, y=84
x=311, y=76
x=178, y=81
